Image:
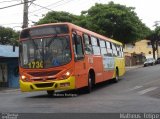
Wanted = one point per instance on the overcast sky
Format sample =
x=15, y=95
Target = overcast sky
x=147, y=10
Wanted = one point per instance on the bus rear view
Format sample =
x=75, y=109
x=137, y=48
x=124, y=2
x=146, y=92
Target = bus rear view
x=45, y=59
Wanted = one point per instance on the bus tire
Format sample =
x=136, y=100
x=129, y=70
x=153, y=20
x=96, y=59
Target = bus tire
x=116, y=79
x=50, y=92
x=89, y=87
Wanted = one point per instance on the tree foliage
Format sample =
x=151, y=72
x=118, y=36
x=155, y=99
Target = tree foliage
x=54, y=17
x=112, y=20
x=115, y=21
x=154, y=37
x=8, y=36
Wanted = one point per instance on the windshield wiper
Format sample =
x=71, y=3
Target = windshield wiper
x=36, y=46
x=52, y=40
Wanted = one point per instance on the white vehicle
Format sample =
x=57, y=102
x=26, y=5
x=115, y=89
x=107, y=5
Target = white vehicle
x=149, y=61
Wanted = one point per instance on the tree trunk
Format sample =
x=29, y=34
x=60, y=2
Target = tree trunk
x=154, y=53
x=157, y=49
x=153, y=48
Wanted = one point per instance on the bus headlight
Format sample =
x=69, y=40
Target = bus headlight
x=66, y=75
x=24, y=78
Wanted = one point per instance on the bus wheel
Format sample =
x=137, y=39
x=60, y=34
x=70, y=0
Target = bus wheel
x=116, y=79
x=89, y=87
x=50, y=92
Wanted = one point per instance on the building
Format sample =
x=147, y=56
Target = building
x=136, y=54
x=9, y=76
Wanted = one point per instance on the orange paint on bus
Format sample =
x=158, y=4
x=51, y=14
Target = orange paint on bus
x=76, y=72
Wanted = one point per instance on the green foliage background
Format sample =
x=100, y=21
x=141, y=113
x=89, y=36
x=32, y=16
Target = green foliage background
x=8, y=36
x=112, y=20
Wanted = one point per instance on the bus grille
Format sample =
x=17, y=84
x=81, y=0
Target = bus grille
x=39, y=74
x=41, y=79
x=43, y=85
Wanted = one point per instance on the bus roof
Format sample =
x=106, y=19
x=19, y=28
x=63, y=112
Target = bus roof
x=94, y=34
x=80, y=29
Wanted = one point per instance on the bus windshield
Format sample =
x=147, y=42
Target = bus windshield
x=45, y=52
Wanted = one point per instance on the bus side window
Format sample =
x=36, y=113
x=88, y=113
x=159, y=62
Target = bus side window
x=77, y=46
x=118, y=51
x=95, y=46
x=103, y=47
x=87, y=43
x=109, y=49
x=121, y=48
x=114, y=50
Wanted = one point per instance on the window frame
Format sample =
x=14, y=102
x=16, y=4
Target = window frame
x=76, y=57
x=87, y=44
x=94, y=46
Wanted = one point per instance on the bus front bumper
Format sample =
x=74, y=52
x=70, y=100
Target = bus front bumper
x=66, y=84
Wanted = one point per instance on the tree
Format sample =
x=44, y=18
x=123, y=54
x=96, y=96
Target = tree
x=8, y=36
x=157, y=32
x=112, y=20
x=154, y=37
x=115, y=21
x=54, y=17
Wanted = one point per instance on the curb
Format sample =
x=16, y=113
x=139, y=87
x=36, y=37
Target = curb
x=9, y=90
x=133, y=67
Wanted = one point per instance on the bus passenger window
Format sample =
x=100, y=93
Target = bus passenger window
x=95, y=46
x=102, y=43
x=77, y=46
x=103, y=48
x=114, y=50
x=121, y=49
x=108, y=45
x=109, y=49
x=87, y=42
x=118, y=51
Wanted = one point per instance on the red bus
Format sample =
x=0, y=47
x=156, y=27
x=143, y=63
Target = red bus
x=63, y=56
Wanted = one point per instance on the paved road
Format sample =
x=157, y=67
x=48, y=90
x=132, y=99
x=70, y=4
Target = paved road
x=138, y=91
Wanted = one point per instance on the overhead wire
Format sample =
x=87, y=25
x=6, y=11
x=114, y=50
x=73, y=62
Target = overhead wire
x=53, y=4
x=15, y=4
x=9, y=1
x=48, y=6
x=42, y=7
x=10, y=23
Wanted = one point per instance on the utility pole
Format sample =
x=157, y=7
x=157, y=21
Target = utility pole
x=25, y=14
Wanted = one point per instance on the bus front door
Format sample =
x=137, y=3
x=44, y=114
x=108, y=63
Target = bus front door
x=80, y=68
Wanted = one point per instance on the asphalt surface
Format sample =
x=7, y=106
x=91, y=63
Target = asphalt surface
x=137, y=91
